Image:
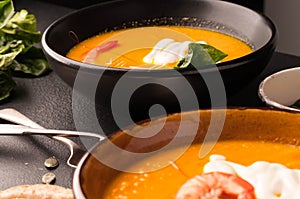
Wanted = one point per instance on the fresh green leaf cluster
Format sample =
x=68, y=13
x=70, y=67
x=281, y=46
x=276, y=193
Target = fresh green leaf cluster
x=200, y=55
x=18, y=35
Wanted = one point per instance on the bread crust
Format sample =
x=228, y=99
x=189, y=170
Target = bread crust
x=37, y=191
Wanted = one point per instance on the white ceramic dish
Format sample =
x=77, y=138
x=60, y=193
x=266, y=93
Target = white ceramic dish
x=281, y=89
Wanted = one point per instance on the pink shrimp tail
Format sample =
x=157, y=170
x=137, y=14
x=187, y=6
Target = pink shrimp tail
x=92, y=54
x=107, y=46
x=214, y=185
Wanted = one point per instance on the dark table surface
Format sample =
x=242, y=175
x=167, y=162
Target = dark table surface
x=48, y=101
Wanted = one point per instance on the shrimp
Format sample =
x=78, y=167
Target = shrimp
x=92, y=54
x=216, y=185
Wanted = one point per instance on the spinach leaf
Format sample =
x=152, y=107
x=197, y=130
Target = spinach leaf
x=200, y=55
x=31, y=61
x=18, y=35
x=6, y=84
x=6, y=12
x=9, y=51
x=22, y=26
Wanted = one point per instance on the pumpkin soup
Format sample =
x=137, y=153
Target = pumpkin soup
x=252, y=163
x=159, y=47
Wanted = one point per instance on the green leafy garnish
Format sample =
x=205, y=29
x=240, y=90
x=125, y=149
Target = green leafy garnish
x=6, y=12
x=18, y=35
x=200, y=55
x=31, y=61
x=6, y=84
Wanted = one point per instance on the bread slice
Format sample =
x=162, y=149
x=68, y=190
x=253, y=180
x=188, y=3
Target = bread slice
x=37, y=191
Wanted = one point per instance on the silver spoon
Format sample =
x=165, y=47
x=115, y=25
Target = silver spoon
x=76, y=152
x=13, y=129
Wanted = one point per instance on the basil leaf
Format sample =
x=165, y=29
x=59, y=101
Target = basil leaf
x=200, y=55
x=185, y=62
x=6, y=84
x=215, y=54
x=31, y=61
x=6, y=12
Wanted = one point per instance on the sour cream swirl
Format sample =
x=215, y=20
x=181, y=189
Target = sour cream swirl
x=167, y=51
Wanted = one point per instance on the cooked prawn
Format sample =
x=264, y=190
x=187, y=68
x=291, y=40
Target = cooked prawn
x=92, y=54
x=216, y=185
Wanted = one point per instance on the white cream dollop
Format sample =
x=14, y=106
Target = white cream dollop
x=270, y=180
x=168, y=51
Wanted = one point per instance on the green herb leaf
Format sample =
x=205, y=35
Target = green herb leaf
x=6, y=12
x=17, y=35
x=31, y=61
x=200, y=55
x=9, y=52
x=6, y=84
x=22, y=26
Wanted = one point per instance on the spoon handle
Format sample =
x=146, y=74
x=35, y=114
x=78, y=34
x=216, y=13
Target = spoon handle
x=11, y=129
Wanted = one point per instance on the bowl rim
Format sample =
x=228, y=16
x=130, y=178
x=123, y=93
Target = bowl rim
x=264, y=96
x=219, y=67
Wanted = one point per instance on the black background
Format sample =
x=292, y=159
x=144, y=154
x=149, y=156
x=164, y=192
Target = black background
x=253, y=4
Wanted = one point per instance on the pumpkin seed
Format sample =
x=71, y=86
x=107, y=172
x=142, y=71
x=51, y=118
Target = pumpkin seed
x=51, y=163
x=48, y=178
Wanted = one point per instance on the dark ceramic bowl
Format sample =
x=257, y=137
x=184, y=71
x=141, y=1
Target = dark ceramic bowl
x=176, y=91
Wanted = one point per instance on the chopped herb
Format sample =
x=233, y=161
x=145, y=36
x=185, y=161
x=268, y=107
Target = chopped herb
x=200, y=55
x=18, y=34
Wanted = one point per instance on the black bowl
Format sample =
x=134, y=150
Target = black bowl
x=175, y=90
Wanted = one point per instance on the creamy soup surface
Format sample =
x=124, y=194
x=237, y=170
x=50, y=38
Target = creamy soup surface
x=165, y=183
x=128, y=48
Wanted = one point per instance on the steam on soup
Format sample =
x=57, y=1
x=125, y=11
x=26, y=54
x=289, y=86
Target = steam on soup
x=233, y=169
x=159, y=47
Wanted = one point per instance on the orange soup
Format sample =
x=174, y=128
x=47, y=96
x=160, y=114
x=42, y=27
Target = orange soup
x=135, y=47
x=165, y=183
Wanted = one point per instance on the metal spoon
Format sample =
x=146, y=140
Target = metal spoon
x=13, y=129
x=76, y=152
